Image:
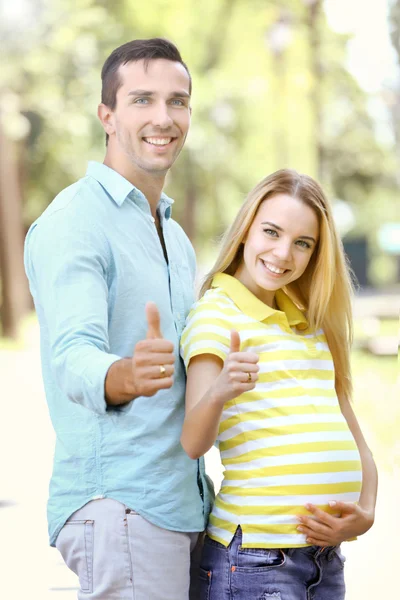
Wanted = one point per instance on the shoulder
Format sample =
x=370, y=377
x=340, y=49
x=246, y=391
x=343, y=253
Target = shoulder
x=208, y=326
x=67, y=227
x=70, y=210
x=214, y=307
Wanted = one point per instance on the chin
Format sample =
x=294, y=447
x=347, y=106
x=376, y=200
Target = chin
x=157, y=167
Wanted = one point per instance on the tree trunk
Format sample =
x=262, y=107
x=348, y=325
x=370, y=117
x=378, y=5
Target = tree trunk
x=14, y=285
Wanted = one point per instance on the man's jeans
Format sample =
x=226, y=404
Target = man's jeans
x=236, y=573
x=118, y=555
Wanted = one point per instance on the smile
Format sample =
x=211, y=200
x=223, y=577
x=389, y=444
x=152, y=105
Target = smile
x=154, y=141
x=273, y=269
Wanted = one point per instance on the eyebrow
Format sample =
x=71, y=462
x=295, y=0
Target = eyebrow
x=303, y=237
x=181, y=94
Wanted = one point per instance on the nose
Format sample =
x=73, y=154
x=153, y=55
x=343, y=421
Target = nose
x=161, y=116
x=283, y=250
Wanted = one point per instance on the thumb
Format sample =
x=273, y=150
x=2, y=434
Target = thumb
x=235, y=342
x=153, y=321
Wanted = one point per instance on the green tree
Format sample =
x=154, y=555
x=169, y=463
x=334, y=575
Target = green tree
x=261, y=101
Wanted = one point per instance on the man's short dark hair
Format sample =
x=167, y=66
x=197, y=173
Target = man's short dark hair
x=133, y=51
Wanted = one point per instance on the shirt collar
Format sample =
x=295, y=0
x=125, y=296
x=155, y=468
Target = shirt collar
x=119, y=188
x=255, y=308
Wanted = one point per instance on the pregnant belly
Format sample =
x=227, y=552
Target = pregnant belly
x=294, y=479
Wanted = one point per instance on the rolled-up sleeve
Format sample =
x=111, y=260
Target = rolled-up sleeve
x=68, y=268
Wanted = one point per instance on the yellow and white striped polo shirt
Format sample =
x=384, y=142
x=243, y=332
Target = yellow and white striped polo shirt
x=286, y=442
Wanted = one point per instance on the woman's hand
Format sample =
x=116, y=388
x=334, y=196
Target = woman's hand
x=210, y=383
x=239, y=373
x=323, y=529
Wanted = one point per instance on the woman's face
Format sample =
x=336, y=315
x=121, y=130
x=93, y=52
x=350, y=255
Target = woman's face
x=278, y=246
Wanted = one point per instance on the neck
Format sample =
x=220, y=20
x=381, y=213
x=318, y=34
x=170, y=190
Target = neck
x=150, y=184
x=266, y=296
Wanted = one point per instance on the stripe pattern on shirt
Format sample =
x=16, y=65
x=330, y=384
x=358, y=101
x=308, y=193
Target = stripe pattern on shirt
x=283, y=444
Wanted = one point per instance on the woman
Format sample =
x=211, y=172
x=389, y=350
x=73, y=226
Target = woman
x=267, y=351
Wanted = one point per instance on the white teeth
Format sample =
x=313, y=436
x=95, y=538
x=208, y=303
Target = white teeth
x=274, y=269
x=158, y=141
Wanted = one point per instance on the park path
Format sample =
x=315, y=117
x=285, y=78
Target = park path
x=30, y=569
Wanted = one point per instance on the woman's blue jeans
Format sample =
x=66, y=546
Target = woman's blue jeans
x=236, y=573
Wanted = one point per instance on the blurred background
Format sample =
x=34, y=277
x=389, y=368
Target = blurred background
x=308, y=84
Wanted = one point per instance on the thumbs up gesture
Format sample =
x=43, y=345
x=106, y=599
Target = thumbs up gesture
x=153, y=322
x=239, y=373
x=153, y=358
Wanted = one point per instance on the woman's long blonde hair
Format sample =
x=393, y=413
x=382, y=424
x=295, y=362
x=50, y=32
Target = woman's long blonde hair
x=324, y=290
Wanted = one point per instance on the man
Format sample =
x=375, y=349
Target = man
x=112, y=279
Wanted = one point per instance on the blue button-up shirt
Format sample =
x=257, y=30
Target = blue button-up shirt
x=93, y=260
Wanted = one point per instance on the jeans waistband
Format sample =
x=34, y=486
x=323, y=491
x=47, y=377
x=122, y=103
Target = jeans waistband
x=315, y=551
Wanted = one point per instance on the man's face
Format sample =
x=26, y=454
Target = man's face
x=152, y=115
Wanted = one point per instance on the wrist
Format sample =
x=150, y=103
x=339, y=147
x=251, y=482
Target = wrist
x=217, y=397
x=119, y=384
x=128, y=379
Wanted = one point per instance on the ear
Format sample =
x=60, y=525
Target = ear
x=106, y=117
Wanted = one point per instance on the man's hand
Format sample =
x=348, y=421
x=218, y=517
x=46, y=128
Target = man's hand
x=323, y=529
x=150, y=369
x=239, y=373
x=153, y=358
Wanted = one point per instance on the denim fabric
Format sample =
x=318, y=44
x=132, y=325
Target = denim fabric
x=93, y=260
x=236, y=573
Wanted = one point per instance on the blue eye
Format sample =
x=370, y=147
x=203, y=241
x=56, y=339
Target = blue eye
x=303, y=244
x=141, y=101
x=177, y=102
x=271, y=232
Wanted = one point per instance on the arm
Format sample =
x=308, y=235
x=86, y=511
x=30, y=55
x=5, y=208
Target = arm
x=211, y=383
x=203, y=407
x=355, y=519
x=369, y=472
x=67, y=264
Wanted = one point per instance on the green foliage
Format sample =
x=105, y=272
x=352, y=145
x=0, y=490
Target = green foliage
x=253, y=106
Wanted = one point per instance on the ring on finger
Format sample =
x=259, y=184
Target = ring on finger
x=249, y=379
x=162, y=371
